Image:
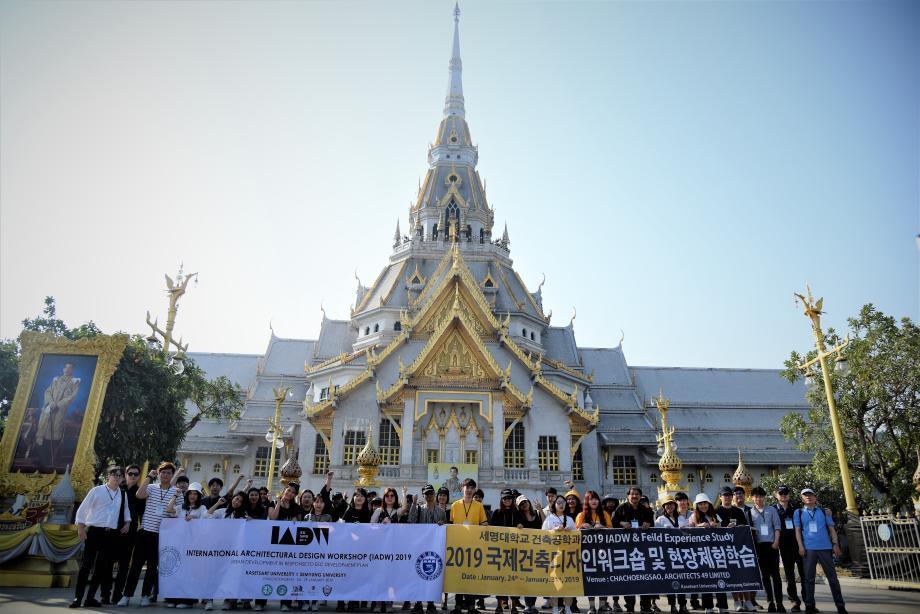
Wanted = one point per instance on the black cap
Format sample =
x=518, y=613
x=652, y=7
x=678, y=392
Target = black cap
x=507, y=494
x=376, y=501
x=427, y=488
x=782, y=489
x=608, y=498
x=726, y=490
x=515, y=492
x=339, y=495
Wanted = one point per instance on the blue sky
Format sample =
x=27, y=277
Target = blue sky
x=676, y=169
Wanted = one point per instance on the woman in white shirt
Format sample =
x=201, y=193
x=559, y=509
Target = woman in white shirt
x=559, y=521
x=671, y=519
x=192, y=509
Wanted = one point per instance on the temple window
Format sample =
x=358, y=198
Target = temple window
x=320, y=456
x=548, y=453
x=624, y=470
x=578, y=466
x=514, y=446
x=354, y=442
x=389, y=443
x=397, y=326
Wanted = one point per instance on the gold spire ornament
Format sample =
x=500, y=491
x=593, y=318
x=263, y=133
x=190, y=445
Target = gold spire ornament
x=742, y=477
x=669, y=464
x=290, y=470
x=368, y=461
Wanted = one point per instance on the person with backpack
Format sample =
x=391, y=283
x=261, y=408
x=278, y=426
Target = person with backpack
x=818, y=543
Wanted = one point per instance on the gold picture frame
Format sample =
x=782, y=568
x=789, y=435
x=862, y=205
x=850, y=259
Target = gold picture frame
x=101, y=356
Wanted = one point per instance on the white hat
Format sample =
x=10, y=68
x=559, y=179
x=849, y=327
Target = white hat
x=196, y=486
x=700, y=498
x=521, y=499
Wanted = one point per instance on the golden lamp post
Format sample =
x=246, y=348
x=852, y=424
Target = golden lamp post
x=175, y=290
x=813, y=312
x=669, y=464
x=274, y=434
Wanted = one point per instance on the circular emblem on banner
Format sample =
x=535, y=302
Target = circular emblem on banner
x=169, y=561
x=429, y=565
x=675, y=585
x=327, y=590
x=281, y=590
x=266, y=589
x=884, y=532
x=721, y=583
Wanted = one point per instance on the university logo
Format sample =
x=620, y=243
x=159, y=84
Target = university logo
x=721, y=583
x=301, y=536
x=327, y=590
x=675, y=585
x=266, y=589
x=169, y=561
x=429, y=565
x=281, y=590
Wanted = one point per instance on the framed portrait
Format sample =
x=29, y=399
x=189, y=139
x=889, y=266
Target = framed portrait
x=53, y=420
x=450, y=475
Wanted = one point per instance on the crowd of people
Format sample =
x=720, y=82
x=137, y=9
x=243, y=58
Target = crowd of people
x=119, y=522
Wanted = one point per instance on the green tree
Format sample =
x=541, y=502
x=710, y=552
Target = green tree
x=878, y=403
x=830, y=493
x=144, y=413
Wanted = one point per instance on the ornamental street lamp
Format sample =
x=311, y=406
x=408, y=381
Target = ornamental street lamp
x=275, y=431
x=813, y=312
x=175, y=289
x=853, y=528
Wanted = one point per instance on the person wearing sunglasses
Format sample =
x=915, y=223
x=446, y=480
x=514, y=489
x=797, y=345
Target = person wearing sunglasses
x=125, y=546
x=102, y=516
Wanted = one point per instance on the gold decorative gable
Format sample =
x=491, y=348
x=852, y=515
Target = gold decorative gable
x=454, y=361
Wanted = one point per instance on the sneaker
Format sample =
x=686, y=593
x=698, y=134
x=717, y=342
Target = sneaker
x=695, y=605
x=91, y=603
x=123, y=602
x=226, y=606
x=208, y=605
x=796, y=606
x=574, y=609
x=771, y=607
x=710, y=611
x=258, y=607
x=285, y=608
x=145, y=601
x=169, y=604
x=74, y=604
x=740, y=608
x=592, y=610
x=780, y=607
x=749, y=606
x=181, y=606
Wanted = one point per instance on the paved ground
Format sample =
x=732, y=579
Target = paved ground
x=861, y=598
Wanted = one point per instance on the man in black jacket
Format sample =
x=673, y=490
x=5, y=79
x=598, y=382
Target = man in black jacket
x=788, y=546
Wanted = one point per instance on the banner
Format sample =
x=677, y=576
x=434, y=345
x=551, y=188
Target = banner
x=661, y=561
x=499, y=561
x=599, y=562
x=265, y=559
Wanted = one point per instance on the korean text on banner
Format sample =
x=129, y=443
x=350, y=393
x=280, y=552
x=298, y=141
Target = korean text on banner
x=661, y=561
x=499, y=561
x=263, y=559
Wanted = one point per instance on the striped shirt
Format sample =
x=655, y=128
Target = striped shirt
x=157, y=500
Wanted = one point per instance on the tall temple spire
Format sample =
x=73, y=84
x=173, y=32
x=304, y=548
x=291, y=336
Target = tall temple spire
x=453, y=103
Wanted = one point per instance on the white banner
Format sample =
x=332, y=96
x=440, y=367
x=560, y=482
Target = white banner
x=265, y=559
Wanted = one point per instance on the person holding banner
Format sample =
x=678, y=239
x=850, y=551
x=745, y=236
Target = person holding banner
x=428, y=512
x=469, y=512
x=506, y=515
x=705, y=516
x=559, y=520
x=255, y=510
x=358, y=510
x=818, y=543
x=236, y=509
x=684, y=513
x=239, y=509
x=305, y=501
x=766, y=525
x=192, y=509
x=633, y=515
x=147, y=549
x=593, y=516
x=285, y=509
x=731, y=516
x=388, y=512
x=671, y=519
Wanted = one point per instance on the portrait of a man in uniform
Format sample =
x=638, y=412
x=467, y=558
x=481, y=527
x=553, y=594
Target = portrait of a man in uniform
x=51, y=425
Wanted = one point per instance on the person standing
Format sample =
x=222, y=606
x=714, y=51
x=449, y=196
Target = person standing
x=747, y=597
x=559, y=520
x=126, y=541
x=214, y=487
x=507, y=515
x=469, y=512
x=101, y=517
x=593, y=516
x=147, y=549
x=670, y=519
x=610, y=505
x=788, y=546
x=765, y=522
x=704, y=516
x=818, y=543
x=428, y=512
x=731, y=516
x=633, y=515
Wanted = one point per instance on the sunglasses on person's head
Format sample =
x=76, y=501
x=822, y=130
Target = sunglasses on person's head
x=507, y=498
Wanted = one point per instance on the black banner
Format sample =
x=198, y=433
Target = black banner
x=662, y=561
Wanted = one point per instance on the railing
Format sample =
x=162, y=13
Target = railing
x=892, y=549
x=521, y=475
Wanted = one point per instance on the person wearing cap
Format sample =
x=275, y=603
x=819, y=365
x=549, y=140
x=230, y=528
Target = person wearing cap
x=684, y=513
x=704, y=516
x=739, y=496
x=428, y=512
x=788, y=546
x=191, y=509
x=818, y=543
x=102, y=516
x=765, y=522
